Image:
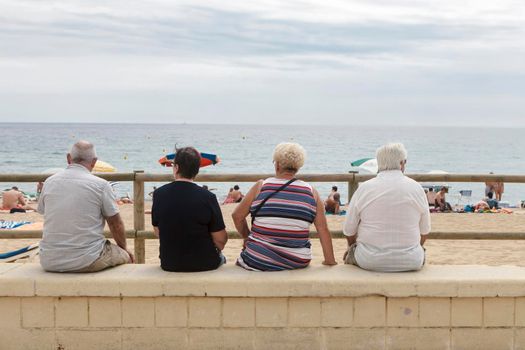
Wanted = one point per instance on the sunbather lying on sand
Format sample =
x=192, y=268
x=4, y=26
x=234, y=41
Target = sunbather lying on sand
x=14, y=200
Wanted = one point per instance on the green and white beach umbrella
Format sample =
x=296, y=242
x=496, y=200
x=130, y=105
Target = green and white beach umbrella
x=367, y=164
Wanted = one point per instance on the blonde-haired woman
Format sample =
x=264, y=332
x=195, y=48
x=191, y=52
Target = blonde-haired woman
x=282, y=209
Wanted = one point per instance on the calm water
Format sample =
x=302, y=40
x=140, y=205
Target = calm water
x=248, y=149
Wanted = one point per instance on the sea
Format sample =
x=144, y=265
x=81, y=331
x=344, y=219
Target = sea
x=245, y=149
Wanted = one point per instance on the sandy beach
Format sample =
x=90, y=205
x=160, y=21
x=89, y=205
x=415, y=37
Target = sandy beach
x=453, y=252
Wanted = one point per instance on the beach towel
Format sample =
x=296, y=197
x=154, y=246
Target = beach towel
x=9, y=225
x=26, y=252
x=342, y=212
x=5, y=211
x=495, y=211
x=30, y=227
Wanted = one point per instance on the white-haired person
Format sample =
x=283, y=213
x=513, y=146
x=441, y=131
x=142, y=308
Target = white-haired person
x=76, y=205
x=388, y=217
x=282, y=209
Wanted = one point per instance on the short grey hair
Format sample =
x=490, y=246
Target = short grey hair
x=82, y=152
x=390, y=156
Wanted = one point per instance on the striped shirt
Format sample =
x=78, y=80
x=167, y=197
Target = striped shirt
x=279, y=235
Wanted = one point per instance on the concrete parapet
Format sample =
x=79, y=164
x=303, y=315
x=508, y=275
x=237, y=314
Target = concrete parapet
x=342, y=307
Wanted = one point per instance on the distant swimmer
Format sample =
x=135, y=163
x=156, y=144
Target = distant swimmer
x=14, y=201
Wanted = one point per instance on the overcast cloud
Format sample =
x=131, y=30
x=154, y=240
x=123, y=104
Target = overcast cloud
x=342, y=62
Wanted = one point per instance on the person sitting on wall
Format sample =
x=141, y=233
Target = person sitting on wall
x=388, y=218
x=76, y=205
x=188, y=220
x=282, y=209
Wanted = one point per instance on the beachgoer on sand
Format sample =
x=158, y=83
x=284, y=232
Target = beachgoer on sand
x=332, y=205
x=441, y=200
x=499, y=188
x=490, y=186
x=492, y=203
x=332, y=193
x=76, y=205
x=431, y=197
x=14, y=201
x=487, y=203
x=382, y=236
x=229, y=199
x=236, y=194
x=282, y=209
x=188, y=220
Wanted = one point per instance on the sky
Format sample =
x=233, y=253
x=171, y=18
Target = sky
x=386, y=62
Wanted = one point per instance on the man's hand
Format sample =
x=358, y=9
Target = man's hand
x=219, y=238
x=131, y=256
x=116, y=226
x=330, y=262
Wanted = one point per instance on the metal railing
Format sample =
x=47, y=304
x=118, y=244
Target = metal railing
x=139, y=234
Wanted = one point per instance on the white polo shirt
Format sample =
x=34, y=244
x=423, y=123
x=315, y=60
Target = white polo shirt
x=74, y=203
x=389, y=213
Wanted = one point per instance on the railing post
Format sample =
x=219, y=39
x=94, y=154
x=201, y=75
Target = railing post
x=138, y=218
x=352, y=187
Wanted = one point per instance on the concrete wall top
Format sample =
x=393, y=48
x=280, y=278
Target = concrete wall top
x=232, y=281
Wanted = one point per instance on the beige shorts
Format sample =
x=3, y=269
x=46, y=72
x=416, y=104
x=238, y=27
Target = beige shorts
x=112, y=255
x=350, y=256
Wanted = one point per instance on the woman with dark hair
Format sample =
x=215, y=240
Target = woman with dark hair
x=188, y=220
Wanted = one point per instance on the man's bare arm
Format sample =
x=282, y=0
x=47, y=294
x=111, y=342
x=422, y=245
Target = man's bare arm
x=116, y=226
x=219, y=238
x=351, y=239
x=243, y=210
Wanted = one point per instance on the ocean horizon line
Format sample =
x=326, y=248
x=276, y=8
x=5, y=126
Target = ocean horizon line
x=383, y=126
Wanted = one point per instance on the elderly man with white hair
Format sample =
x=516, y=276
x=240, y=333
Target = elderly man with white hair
x=388, y=218
x=76, y=204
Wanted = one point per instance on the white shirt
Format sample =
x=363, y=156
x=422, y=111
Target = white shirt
x=389, y=213
x=74, y=204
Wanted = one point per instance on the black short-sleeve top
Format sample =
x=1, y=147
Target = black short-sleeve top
x=186, y=214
